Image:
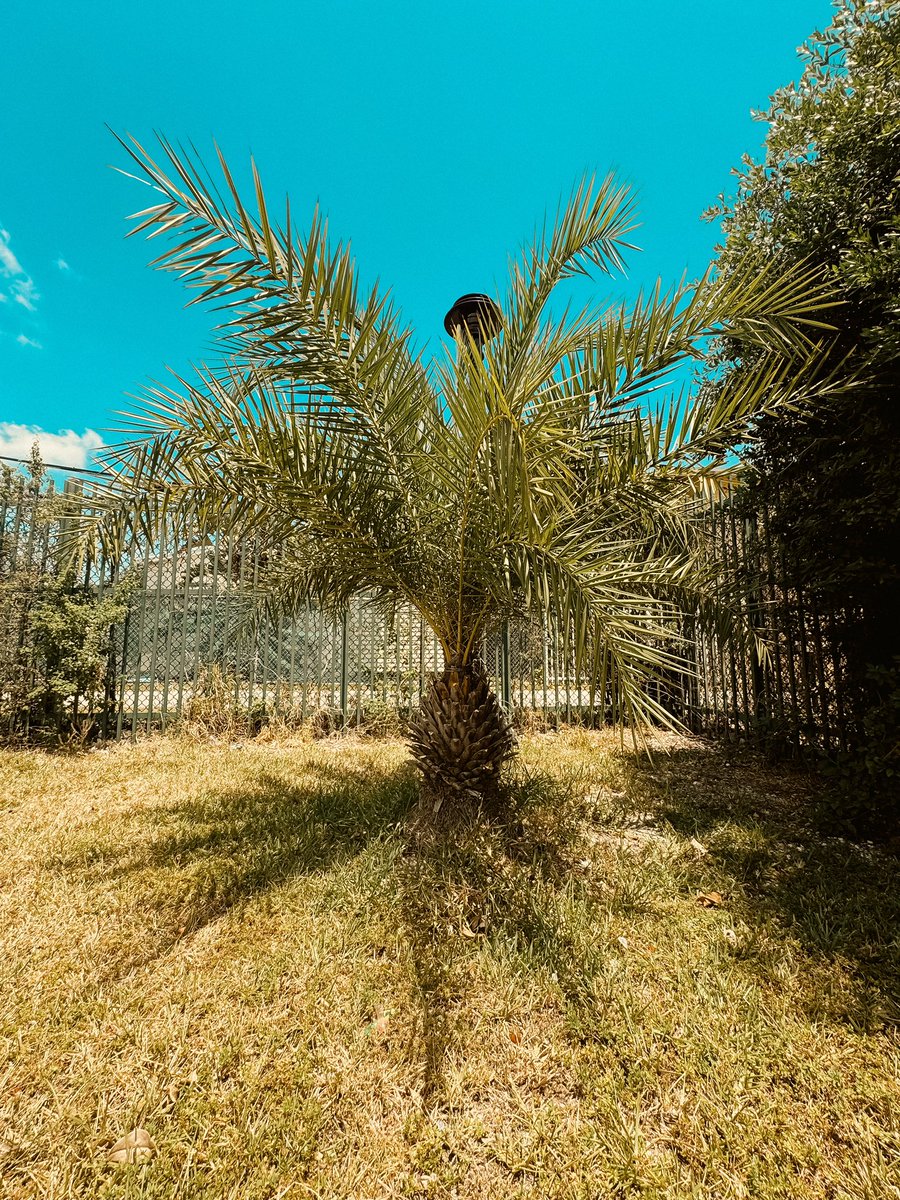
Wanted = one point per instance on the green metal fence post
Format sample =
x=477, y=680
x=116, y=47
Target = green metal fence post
x=505, y=681
x=344, y=640
x=754, y=607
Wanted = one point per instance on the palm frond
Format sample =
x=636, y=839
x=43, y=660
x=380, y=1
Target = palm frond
x=588, y=235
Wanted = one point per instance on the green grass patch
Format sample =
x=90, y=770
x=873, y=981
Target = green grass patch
x=259, y=954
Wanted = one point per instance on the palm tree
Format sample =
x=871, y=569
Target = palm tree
x=547, y=471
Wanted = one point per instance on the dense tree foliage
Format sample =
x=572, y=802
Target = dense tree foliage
x=827, y=192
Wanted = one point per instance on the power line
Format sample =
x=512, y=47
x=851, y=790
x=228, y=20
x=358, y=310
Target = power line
x=52, y=466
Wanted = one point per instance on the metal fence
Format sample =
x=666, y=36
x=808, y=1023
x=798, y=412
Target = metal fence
x=195, y=626
x=194, y=640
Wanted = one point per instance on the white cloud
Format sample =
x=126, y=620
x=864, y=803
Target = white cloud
x=63, y=265
x=23, y=292
x=67, y=448
x=21, y=289
x=27, y=341
x=9, y=264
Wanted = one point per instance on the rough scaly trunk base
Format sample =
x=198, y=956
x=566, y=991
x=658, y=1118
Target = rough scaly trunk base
x=461, y=739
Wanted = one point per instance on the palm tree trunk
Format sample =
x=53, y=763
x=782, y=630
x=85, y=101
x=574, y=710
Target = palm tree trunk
x=461, y=737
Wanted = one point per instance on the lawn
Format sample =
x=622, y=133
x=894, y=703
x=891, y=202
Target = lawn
x=653, y=981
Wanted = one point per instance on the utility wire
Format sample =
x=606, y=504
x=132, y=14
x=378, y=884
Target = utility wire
x=51, y=466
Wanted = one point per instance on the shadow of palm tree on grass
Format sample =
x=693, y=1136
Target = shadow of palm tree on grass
x=840, y=900
x=450, y=886
x=514, y=885
x=472, y=880
x=211, y=853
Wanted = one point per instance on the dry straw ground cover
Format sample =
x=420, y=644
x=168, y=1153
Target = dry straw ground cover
x=255, y=953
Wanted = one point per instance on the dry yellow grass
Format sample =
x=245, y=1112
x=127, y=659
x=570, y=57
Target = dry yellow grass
x=242, y=949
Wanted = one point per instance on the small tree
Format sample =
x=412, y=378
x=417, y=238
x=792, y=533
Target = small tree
x=539, y=473
x=55, y=634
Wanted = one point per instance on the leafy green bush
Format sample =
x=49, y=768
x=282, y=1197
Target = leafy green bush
x=56, y=634
x=70, y=648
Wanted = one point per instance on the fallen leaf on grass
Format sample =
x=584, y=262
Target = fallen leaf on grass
x=380, y=1023
x=515, y=1035
x=709, y=899
x=479, y=931
x=137, y=1146
x=699, y=848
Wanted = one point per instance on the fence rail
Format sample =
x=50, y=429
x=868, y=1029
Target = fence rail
x=194, y=633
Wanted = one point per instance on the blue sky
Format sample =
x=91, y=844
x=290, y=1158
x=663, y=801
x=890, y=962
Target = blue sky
x=434, y=135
